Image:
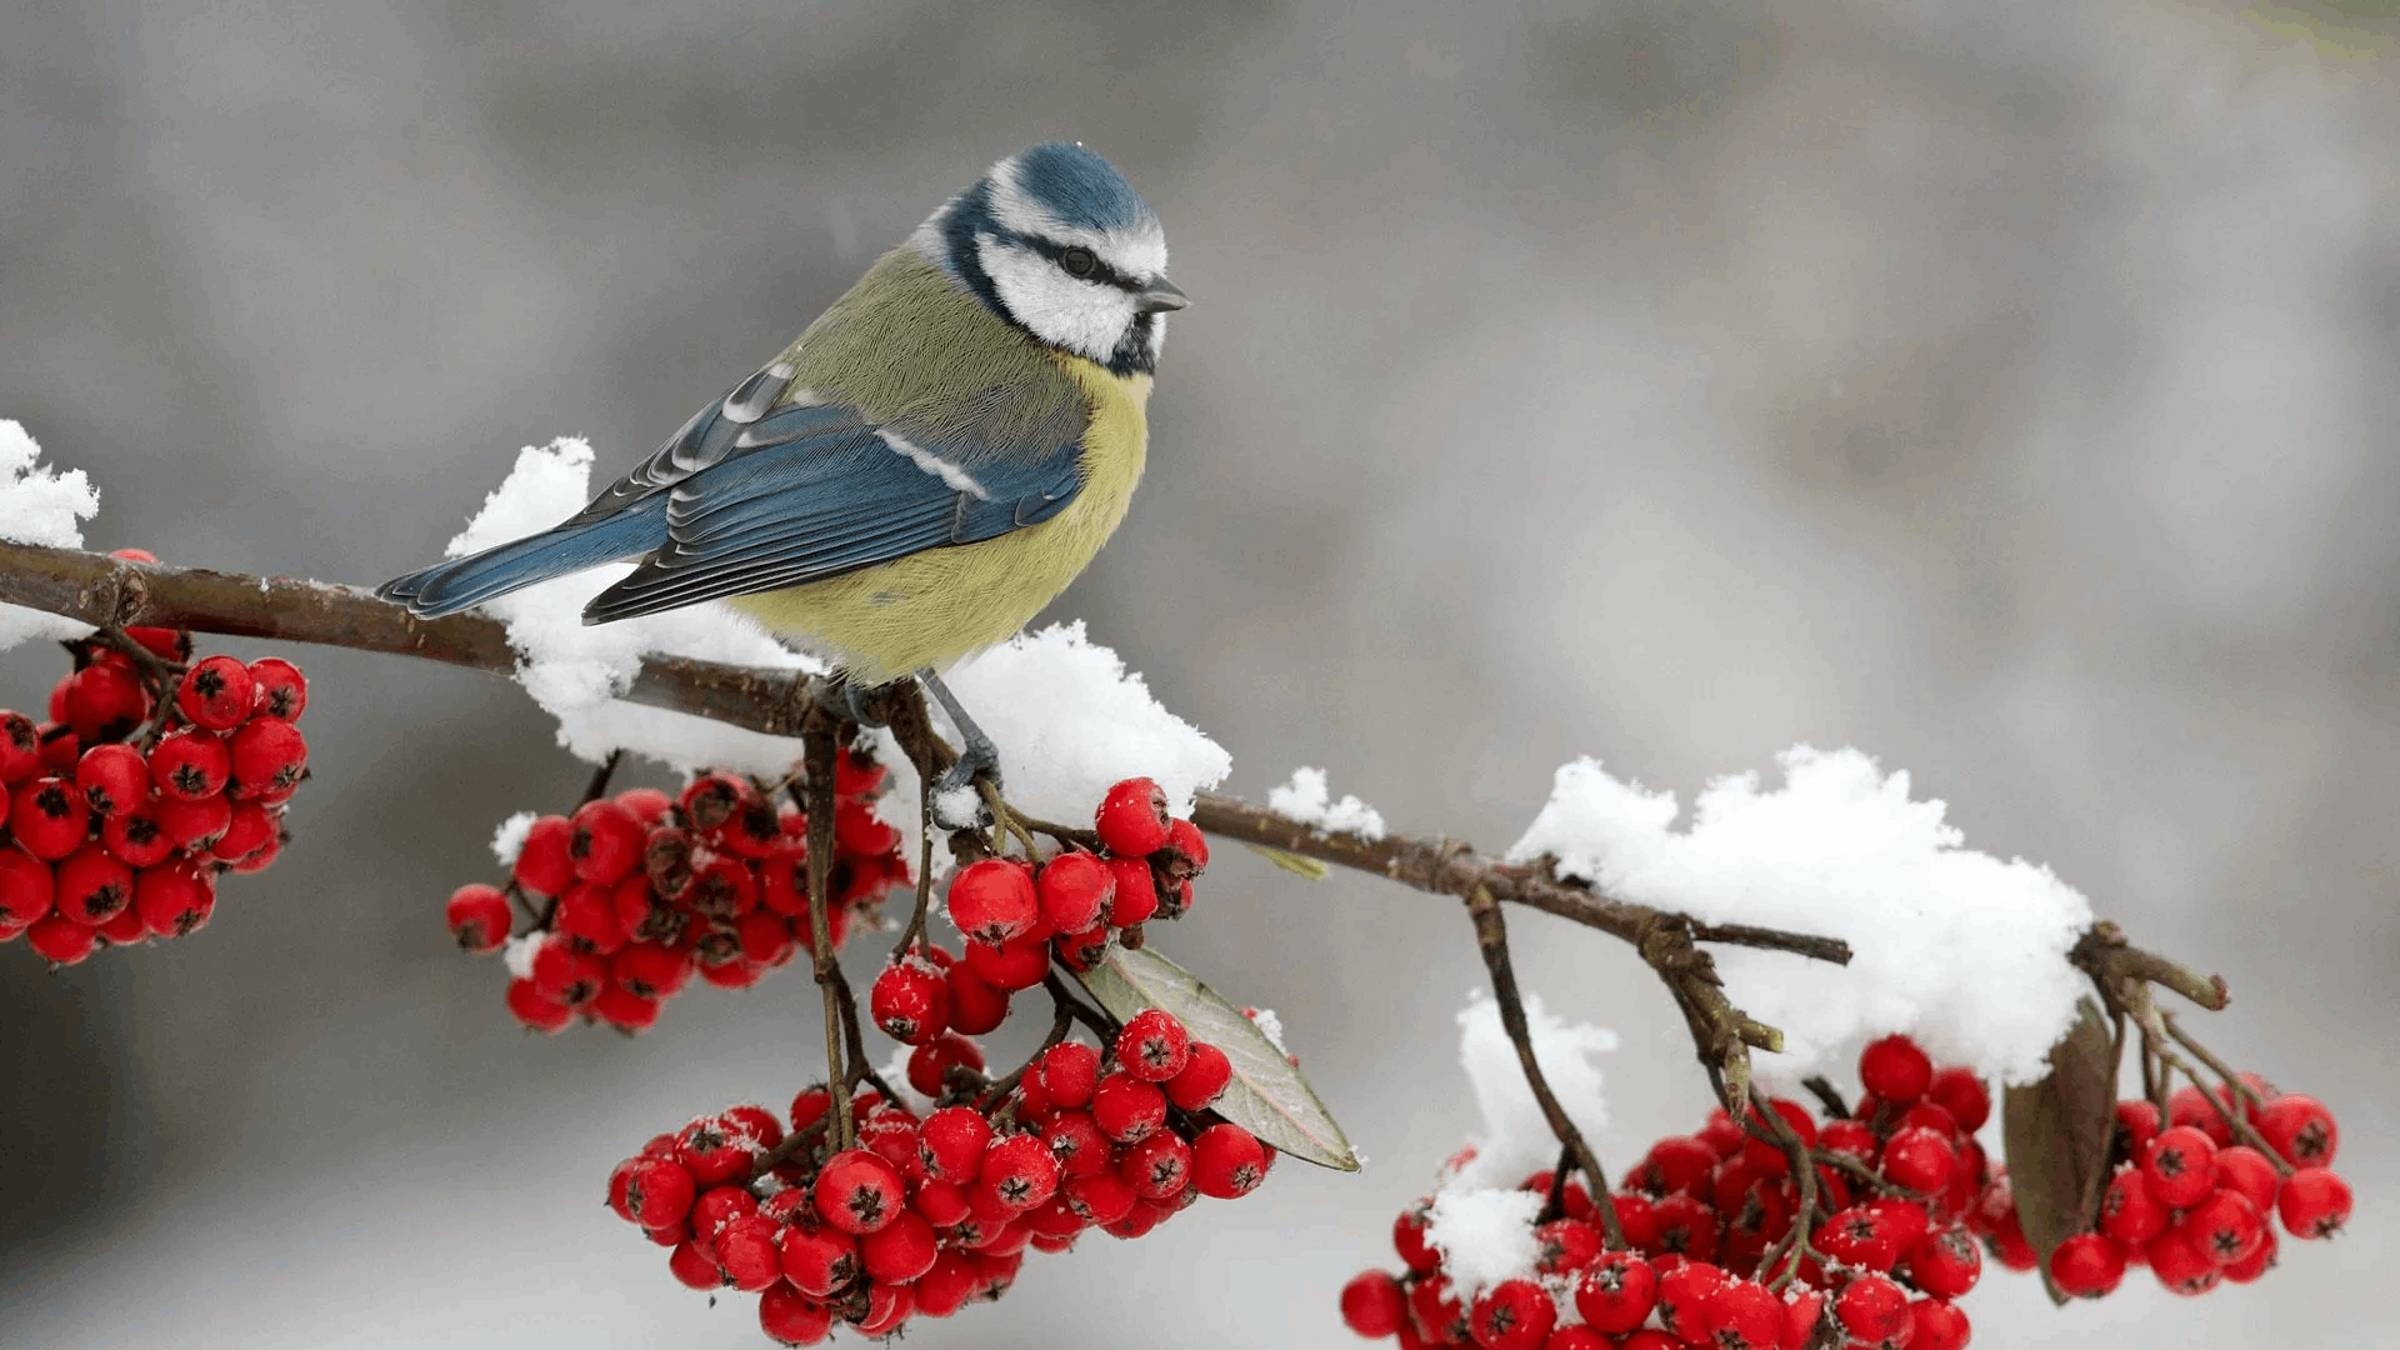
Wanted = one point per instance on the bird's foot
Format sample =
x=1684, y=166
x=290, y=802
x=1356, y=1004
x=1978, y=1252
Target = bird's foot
x=846, y=700
x=958, y=801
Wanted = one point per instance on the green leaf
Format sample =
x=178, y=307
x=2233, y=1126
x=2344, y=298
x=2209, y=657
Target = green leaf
x=2056, y=1132
x=1267, y=1096
x=1290, y=862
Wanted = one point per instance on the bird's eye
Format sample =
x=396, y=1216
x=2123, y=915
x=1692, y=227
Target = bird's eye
x=1079, y=262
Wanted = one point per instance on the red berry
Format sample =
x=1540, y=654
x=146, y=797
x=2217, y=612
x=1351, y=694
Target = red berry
x=1133, y=892
x=1617, y=1293
x=1019, y=963
x=2179, y=1263
x=1919, y=1159
x=746, y=1251
x=2129, y=1214
x=1186, y=850
x=93, y=887
x=537, y=1010
x=993, y=901
x=1153, y=1046
x=1203, y=1079
x=543, y=865
x=712, y=799
x=1683, y=1292
x=103, y=702
x=113, y=778
x=1373, y=1305
x=1227, y=1161
x=1512, y=1315
x=1408, y=1239
x=1963, y=1095
x=2226, y=1227
x=1686, y=1227
x=910, y=1001
x=693, y=1267
x=2301, y=1129
x=191, y=764
x=2257, y=1263
x=1083, y=952
x=49, y=818
x=929, y=1064
x=2247, y=1170
x=1945, y=1264
x=478, y=916
x=1159, y=1167
x=198, y=826
x=1895, y=1070
x=61, y=941
x=174, y=898
x=1017, y=1173
x=951, y=1143
x=977, y=1005
x=1938, y=1326
x=2087, y=1265
x=2137, y=1125
x=1873, y=1309
x=2314, y=1204
x=27, y=888
x=2181, y=1167
x=269, y=755
x=566, y=975
x=1127, y=1109
x=1742, y=1315
x=1132, y=818
x=858, y=1192
x=250, y=829
x=900, y=1251
x=20, y=748
x=279, y=689
x=1069, y=1072
x=819, y=1261
x=659, y=1193
x=624, y=1009
x=1075, y=890
x=216, y=693
x=648, y=970
x=605, y=841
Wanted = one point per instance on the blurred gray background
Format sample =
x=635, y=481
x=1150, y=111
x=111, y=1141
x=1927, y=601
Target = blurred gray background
x=2006, y=389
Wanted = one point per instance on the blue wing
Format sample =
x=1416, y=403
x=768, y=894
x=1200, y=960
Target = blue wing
x=745, y=499
x=817, y=492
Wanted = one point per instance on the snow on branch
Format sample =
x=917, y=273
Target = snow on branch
x=39, y=505
x=1964, y=951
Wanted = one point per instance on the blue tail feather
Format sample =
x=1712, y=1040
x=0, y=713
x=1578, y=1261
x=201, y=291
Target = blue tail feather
x=463, y=583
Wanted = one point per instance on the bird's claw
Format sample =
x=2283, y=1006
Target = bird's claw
x=957, y=795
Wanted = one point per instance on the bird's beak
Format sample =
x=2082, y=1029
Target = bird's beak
x=1160, y=297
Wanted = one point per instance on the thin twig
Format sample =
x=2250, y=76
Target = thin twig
x=820, y=746
x=1491, y=938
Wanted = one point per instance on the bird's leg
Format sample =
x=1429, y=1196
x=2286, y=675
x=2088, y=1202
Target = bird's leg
x=846, y=700
x=977, y=758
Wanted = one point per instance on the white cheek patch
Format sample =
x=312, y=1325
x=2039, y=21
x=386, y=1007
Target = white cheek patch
x=1085, y=317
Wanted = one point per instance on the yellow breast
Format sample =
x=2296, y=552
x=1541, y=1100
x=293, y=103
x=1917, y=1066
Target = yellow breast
x=931, y=608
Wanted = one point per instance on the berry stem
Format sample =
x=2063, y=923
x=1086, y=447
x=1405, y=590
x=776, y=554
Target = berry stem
x=600, y=777
x=1491, y=939
x=820, y=746
x=1828, y=1096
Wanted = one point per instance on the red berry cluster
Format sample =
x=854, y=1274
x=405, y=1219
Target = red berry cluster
x=1019, y=916
x=1708, y=1220
x=638, y=892
x=155, y=774
x=2196, y=1197
x=924, y=1215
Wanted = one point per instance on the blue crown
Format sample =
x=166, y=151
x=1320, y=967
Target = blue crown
x=1079, y=187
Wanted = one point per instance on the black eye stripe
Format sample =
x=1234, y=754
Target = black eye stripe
x=1101, y=271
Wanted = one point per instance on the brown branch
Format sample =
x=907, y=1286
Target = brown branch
x=1491, y=938
x=817, y=734
x=106, y=591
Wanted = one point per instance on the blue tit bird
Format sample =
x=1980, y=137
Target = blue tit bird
x=925, y=468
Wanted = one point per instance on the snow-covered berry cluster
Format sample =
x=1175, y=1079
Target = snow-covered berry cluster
x=154, y=774
x=628, y=898
x=2195, y=1197
x=928, y=1212
x=1710, y=1220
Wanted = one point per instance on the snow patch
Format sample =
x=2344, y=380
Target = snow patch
x=1964, y=951
x=1308, y=800
x=1484, y=1236
x=509, y=840
x=578, y=673
x=39, y=505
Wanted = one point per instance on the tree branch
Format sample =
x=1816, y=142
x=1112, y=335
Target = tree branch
x=106, y=591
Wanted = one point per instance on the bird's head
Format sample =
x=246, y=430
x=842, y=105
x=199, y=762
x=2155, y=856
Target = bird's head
x=1055, y=240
